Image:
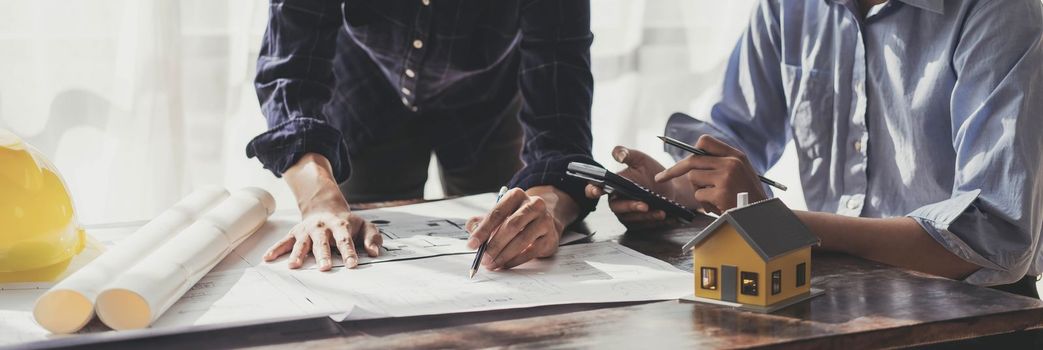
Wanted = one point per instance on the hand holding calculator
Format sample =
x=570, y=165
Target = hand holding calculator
x=622, y=186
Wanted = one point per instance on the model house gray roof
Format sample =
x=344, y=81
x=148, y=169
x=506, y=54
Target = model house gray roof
x=768, y=226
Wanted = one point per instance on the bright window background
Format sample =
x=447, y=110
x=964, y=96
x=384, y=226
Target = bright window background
x=137, y=102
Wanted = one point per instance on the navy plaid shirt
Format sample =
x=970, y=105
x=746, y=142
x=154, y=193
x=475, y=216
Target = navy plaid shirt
x=333, y=76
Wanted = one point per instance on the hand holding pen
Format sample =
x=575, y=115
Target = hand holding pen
x=717, y=172
x=485, y=244
x=702, y=152
x=520, y=227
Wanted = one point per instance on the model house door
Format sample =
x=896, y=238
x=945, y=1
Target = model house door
x=729, y=282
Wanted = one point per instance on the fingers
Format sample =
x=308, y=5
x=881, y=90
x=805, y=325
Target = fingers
x=593, y=191
x=636, y=214
x=724, y=157
x=637, y=218
x=472, y=224
x=321, y=247
x=516, y=246
x=700, y=178
x=714, y=199
x=372, y=239
x=300, y=251
x=717, y=147
x=625, y=206
x=690, y=162
x=543, y=247
x=281, y=247
x=635, y=160
x=620, y=154
x=500, y=212
x=345, y=245
x=531, y=211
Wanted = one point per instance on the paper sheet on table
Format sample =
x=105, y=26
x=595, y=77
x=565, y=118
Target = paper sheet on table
x=231, y=295
x=234, y=289
x=583, y=273
x=410, y=231
x=245, y=295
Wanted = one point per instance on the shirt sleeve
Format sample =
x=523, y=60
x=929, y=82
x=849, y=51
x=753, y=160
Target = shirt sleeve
x=557, y=89
x=750, y=113
x=294, y=81
x=993, y=218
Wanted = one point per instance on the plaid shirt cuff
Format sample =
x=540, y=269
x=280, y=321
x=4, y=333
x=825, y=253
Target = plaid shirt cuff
x=552, y=172
x=283, y=145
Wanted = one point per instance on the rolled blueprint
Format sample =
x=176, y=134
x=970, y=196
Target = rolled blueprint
x=69, y=305
x=139, y=296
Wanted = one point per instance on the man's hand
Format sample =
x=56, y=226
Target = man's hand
x=642, y=169
x=325, y=219
x=716, y=180
x=318, y=230
x=523, y=225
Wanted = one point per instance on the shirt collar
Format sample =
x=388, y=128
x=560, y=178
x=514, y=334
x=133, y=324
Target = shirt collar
x=936, y=6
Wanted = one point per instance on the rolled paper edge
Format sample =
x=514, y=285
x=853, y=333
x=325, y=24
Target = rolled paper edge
x=59, y=311
x=113, y=305
x=263, y=196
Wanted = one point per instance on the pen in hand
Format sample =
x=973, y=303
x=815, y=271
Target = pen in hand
x=699, y=152
x=481, y=248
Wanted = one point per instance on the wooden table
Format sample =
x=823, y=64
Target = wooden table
x=866, y=305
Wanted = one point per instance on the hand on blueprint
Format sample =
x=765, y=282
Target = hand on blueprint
x=641, y=168
x=326, y=219
x=716, y=180
x=523, y=226
x=320, y=230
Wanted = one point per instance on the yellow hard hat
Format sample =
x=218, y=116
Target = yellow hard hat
x=39, y=233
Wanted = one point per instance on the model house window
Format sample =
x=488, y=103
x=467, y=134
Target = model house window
x=801, y=276
x=749, y=283
x=776, y=282
x=709, y=278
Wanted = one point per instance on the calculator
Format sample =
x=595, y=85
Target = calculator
x=622, y=186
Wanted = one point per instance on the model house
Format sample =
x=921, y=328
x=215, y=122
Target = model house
x=756, y=255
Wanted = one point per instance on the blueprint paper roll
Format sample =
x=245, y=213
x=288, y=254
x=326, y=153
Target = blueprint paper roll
x=139, y=296
x=69, y=305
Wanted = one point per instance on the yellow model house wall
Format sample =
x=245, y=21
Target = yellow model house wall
x=727, y=247
x=788, y=265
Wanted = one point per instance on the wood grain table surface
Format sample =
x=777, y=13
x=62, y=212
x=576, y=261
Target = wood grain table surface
x=866, y=305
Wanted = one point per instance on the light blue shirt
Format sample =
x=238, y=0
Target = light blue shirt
x=929, y=109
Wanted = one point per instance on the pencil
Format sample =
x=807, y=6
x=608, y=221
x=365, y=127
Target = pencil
x=481, y=248
x=700, y=152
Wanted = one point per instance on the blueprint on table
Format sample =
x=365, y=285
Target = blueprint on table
x=582, y=273
x=243, y=289
x=410, y=232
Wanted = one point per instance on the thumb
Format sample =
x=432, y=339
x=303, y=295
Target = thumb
x=635, y=159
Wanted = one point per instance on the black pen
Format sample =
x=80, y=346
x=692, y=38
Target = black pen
x=481, y=248
x=700, y=152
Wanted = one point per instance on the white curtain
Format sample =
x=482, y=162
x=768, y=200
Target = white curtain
x=137, y=102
